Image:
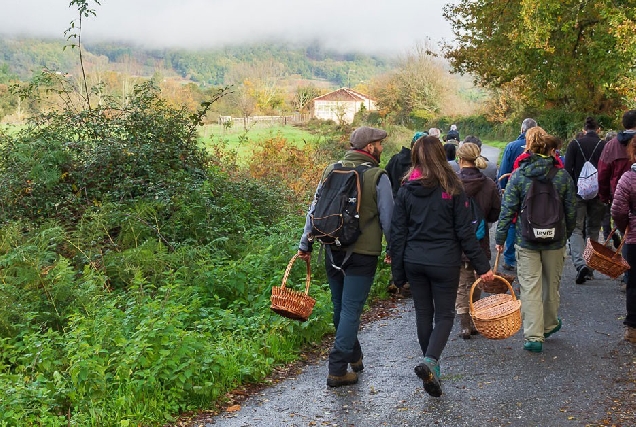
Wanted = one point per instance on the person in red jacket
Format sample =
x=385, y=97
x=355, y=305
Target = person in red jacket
x=614, y=162
x=622, y=207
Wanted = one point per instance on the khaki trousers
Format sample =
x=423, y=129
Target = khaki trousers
x=467, y=277
x=539, y=274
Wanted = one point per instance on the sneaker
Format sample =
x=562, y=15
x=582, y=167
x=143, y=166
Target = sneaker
x=508, y=267
x=630, y=334
x=338, y=381
x=357, y=366
x=581, y=275
x=429, y=373
x=556, y=329
x=533, y=346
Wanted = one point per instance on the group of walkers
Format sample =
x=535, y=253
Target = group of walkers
x=423, y=205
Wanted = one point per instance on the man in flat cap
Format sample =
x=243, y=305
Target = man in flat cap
x=351, y=270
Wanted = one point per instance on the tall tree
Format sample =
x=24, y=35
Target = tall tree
x=571, y=54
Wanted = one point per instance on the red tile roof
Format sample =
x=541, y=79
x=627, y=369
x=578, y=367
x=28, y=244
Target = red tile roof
x=343, y=94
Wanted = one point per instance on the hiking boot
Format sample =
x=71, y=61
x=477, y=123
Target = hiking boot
x=405, y=290
x=465, y=326
x=473, y=328
x=556, y=329
x=357, y=366
x=630, y=334
x=508, y=267
x=582, y=274
x=533, y=346
x=346, y=379
x=429, y=373
x=393, y=289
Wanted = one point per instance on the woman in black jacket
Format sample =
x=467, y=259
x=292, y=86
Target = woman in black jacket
x=431, y=227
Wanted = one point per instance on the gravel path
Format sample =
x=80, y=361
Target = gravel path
x=584, y=377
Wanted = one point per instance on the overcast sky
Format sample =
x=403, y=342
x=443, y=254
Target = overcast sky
x=382, y=26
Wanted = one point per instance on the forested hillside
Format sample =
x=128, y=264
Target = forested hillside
x=22, y=57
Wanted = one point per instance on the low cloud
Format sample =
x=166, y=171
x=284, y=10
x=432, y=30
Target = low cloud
x=370, y=26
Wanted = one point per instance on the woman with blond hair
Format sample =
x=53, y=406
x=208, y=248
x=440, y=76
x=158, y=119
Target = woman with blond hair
x=485, y=193
x=430, y=229
x=539, y=264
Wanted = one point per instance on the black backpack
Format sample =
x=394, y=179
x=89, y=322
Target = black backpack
x=542, y=216
x=478, y=222
x=336, y=216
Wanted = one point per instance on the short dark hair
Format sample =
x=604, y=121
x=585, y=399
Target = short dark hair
x=629, y=119
x=591, y=123
x=473, y=139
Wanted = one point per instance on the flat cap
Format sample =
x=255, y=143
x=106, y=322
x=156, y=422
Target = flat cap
x=365, y=135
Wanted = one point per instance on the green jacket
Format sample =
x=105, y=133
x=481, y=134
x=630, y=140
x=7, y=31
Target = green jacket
x=375, y=214
x=518, y=185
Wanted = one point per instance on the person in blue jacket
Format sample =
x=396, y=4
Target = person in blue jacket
x=513, y=150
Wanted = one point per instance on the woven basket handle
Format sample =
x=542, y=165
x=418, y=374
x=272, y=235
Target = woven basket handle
x=472, y=289
x=609, y=239
x=496, y=261
x=307, y=277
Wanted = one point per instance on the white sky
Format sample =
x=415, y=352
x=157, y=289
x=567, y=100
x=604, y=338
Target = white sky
x=371, y=26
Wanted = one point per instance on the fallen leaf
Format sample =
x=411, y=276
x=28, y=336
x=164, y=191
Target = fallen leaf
x=234, y=408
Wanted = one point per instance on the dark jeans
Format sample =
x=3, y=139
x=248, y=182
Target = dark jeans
x=629, y=252
x=349, y=292
x=434, y=291
x=509, y=251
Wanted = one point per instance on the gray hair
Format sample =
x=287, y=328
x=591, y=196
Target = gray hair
x=434, y=132
x=527, y=124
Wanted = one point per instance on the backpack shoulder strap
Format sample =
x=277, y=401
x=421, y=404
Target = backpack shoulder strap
x=595, y=147
x=552, y=173
x=581, y=150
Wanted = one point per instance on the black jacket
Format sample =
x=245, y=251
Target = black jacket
x=397, y=167
x=574, y=159
x=430, y=227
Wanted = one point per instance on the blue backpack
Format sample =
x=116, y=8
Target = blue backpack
x=478, y=221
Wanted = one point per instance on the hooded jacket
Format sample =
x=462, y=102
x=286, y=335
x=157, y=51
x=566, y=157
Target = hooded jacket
x=431, y=227
x=397, y=167
x=535, y=166
x=613, y=164
x=485, y=192
x=624, y=204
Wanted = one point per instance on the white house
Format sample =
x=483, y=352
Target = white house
x=341, y=105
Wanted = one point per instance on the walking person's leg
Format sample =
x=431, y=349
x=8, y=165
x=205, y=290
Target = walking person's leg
x=529, y=274
x=509, y=252
x=434, y=295
x=552, y=263
x=462, y=305
x=349, y=292
x=577, y=243
x=629, y=252
x=594, y=218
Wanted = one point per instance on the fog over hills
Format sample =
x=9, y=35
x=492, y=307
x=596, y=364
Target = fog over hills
x=368, y=26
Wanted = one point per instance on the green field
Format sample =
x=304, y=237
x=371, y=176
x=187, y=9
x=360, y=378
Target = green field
x=237, y=139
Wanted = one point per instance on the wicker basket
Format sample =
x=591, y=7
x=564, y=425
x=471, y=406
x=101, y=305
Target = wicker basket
x=497, y=285
x=497, y=316
x=290, y=303
x=602, y=258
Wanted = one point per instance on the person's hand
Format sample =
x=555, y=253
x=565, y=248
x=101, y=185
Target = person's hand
x=488, y=277
x=499, y=248
x=304, y=255
x=387, y=259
